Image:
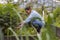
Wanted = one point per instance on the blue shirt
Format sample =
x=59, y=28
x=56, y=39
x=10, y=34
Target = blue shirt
x=32, y=15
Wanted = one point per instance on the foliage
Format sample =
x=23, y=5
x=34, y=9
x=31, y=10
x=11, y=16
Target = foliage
x=56, y=13
x=50, y=28
x=8, y=17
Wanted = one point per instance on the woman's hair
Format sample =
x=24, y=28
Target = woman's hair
x=28, y=8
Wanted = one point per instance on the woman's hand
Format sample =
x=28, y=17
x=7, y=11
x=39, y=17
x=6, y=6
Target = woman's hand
x=20, y=25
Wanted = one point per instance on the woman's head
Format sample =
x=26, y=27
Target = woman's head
x=28, y=10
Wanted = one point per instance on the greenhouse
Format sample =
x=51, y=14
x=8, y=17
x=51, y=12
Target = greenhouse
x=29, y=19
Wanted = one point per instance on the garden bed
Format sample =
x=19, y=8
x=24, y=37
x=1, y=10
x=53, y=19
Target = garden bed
x=20, y=37
x=31, y=37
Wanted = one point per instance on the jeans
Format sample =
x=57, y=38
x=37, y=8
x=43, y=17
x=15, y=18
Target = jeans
x=37, y=24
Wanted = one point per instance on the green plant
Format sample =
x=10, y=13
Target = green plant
x=8, y=17
x=56, y=13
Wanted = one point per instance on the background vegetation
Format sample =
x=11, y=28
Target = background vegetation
x=9, y=18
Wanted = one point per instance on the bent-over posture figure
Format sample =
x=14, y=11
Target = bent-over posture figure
x=35, y=18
